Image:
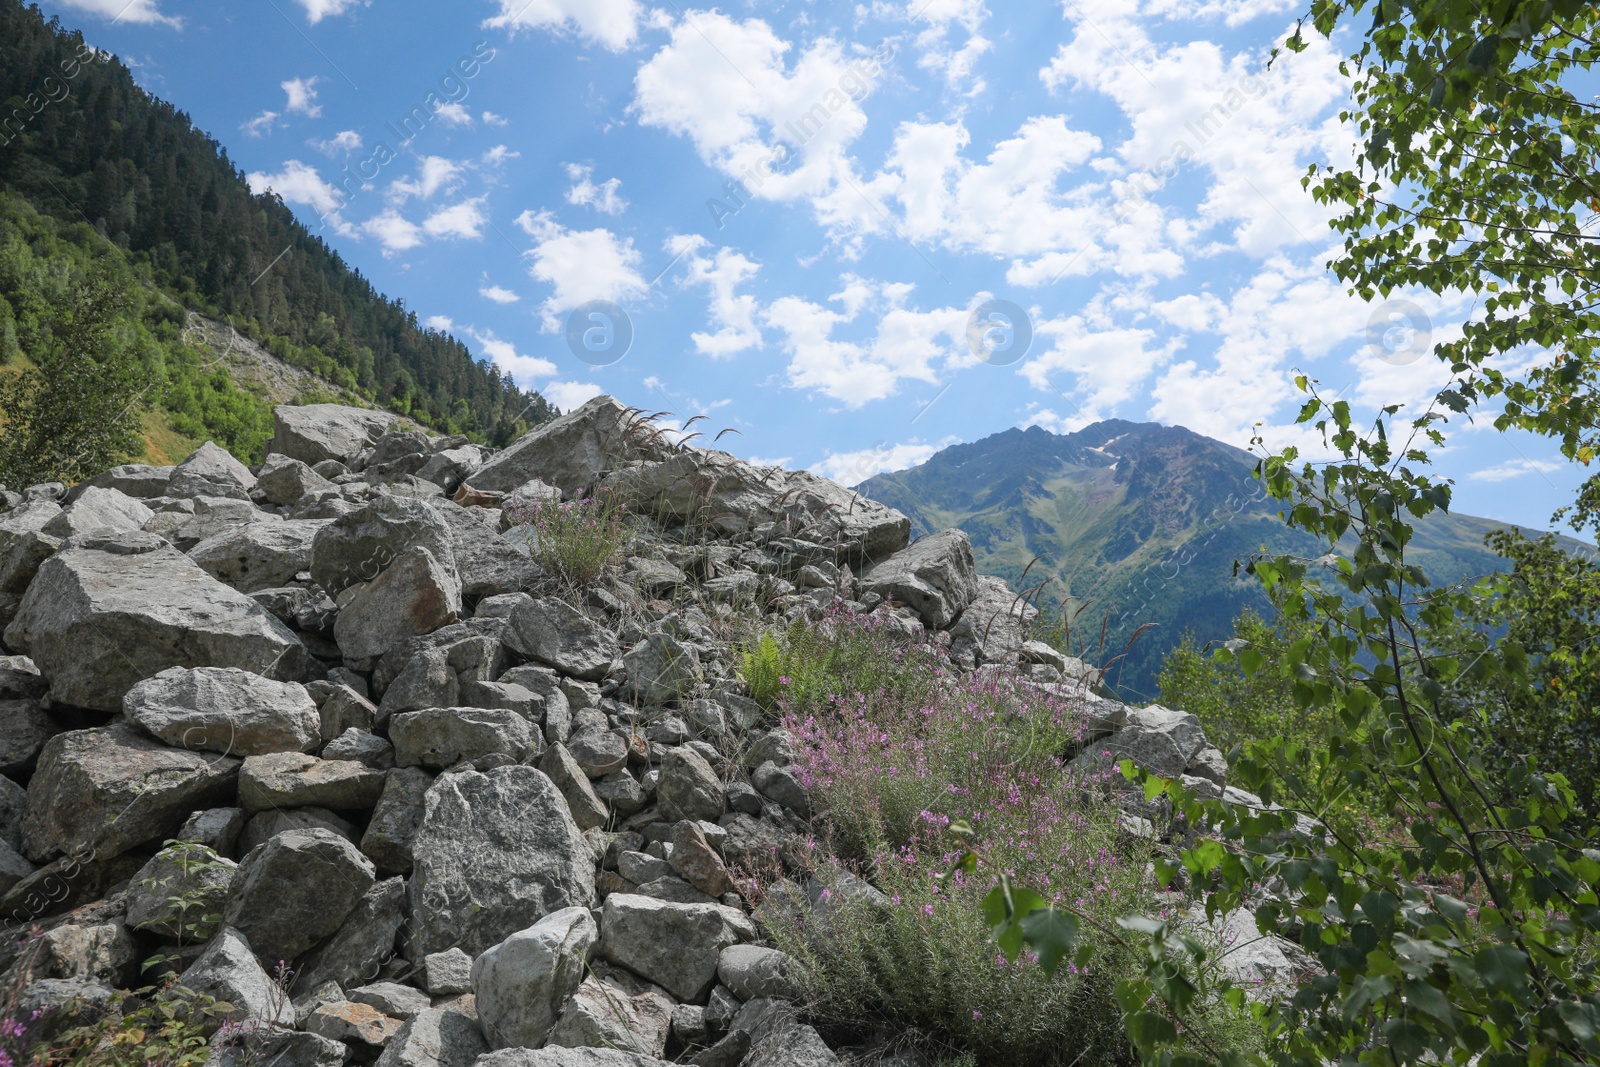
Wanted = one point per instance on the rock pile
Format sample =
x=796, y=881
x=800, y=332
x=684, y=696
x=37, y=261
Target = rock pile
x=476, y=821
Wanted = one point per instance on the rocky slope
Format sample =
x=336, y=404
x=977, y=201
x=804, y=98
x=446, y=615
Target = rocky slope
x=330, y=716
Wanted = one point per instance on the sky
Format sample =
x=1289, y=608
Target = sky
x=853, y=233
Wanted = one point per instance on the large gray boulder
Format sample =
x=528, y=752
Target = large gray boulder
x=178, y=892
x=392, y=831
x=446, y=1036
x=660, y=669
x=935, y=577
x=495, y=853
x=258, y=555
x=443, y=737
x=285, y=481
x=741, y=496
x=112, y=788
x=613, y=1009
x=363, y=944
x=295, y=890
x=223, y=709
x=138, y=480
x=570, y=452
x=98, y=511
x=414, y=595
x=559, y=635
x=996, y=622
x=300, y=780
x=1159, y=739
x=211, y=469
x=688, y=787
x=24, y=728
x=522, y=982
x=676, y=946
x=568, y=1057
x=30, y=516
x=105, y=612
x=487, y=563
x=358, y=547
x=228, y=970
x=312, y=433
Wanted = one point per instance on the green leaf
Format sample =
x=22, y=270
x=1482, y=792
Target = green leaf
x=1052, y=934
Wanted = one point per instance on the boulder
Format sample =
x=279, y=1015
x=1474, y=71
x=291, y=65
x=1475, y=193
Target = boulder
x=588, y=810
x=105, y=612
x=211, y=517
x=98, y=511
x=258, y=555
x=568, y=1057
x=696, y=862
x=251, y=1045
x=751, y=971
x=570, y=452
x=366, y=940
x=111, y=788
x=447, y=973
x=1156, y=738
x=265, y=825
x=689, y=788
x=24, y=728
x=298, y=780
x=996, y=622
x=495, y=853
x=312, y=433
x=178, y=891
x=215, y=828
x=613, y=1009
x=138, y=480
x=437, y=1037
x=935, y=577
x=393, y=999
x=362, y=747
x=660, y=668
x=559, y=635
x=295, y=890
x=353, y=1024
x=284, y=481
x=414, y=595
x=228, y=970
x=224, y=709
x=443, y=737
x=393, y=828
x=26, y=518
x=597, y=751
x=522, y=982
x=358, y=547
x=216, y=465
x=676, y=946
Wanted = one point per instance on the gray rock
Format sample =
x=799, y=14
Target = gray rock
x=106, y=612
x=570, y=452
x=224, y=709
x=360, y=546
x=285, y=481
x=443, y=737
x=1209, y=763
x=295, y=890
x=393, y=828
x=279, y=1048
x=101, y=951
x=507, y=695
x=138, y=480
x=559, y=635
x=414, y=595
x=1157, y=738
x=438, y=1037
x=689, y=788
x=791, y=1045
x=782, y=786
x=568, y=1057
x=363, y=943
x=676, y=946
x=362, y=747
x=346, y=709
x=357, y=1025
x=613, y=1009
x=996, y=623
x=298, y=780
x=98, y=511
x=229, y=970
x=58, y=1004
x=661, y=668
x=258, y=555
x=213, y=463
x=265, y=825
x=598, y=751
x=24, y=728
x=211, y=517
x=447, y=972
x=112, y=788
x=935, y=577
x=194, y=874
x=313, y=433
x=14, y=867
x=696, y=862
x=216, y=828
x=750, y=971
x=588, y=810
x=26, y=518
x=489, y=565
x=393, y=999
x=522, y=982
x=495, y=853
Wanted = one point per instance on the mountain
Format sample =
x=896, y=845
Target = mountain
x=1140, y=522
x=93, y=168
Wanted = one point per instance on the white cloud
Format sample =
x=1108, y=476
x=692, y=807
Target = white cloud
x=724, y=85
x=393, y=231
x=433, y=174
x=317, y=10
x=939, y=54
x=345, y=141
x=298, y=183
x=612, y=24
x=491, y=119
x=302, y=93
x=1516, y=468
x=905, y=344
x=523, y=368
x=1107, y=364
x=581, y=265
x=465, y=219
x=853, y=468
x=439, y=322
x=732, y=313
x=144, y=12
x=454, y=114
x=603, y=197
x=498, y=155
x=498, y=295
x=569, y=395
x=261, y=124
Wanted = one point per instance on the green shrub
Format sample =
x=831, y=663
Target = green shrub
x=576, y=539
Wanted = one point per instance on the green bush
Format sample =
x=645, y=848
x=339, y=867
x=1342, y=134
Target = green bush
x=575, y=540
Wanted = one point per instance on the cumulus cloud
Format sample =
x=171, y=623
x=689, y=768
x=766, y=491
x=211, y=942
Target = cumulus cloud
x=439, y=322
x=453, y=114
x=317, y=10
x=1516, y=468
x=498, y=294
x=302, y=94
x=341, y=143
x=602, y=197
x=612, y=24
x=463, y=220
x=853, y=468
x=298, y=183
x=395, y=232
x=569, y=395
x=721, y=273
x=434, y=173
x=579, y=265
x=261, y=125
x=144, y=12
x=523, y=368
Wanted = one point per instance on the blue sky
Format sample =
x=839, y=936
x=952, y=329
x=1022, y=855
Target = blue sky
x=808, y=212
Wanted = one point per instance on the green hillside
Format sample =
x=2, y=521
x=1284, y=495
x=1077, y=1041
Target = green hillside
x=101, y=173
x=1141, y=522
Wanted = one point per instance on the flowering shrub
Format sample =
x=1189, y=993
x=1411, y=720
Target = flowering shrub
x=897, y=750
x=575, y=539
